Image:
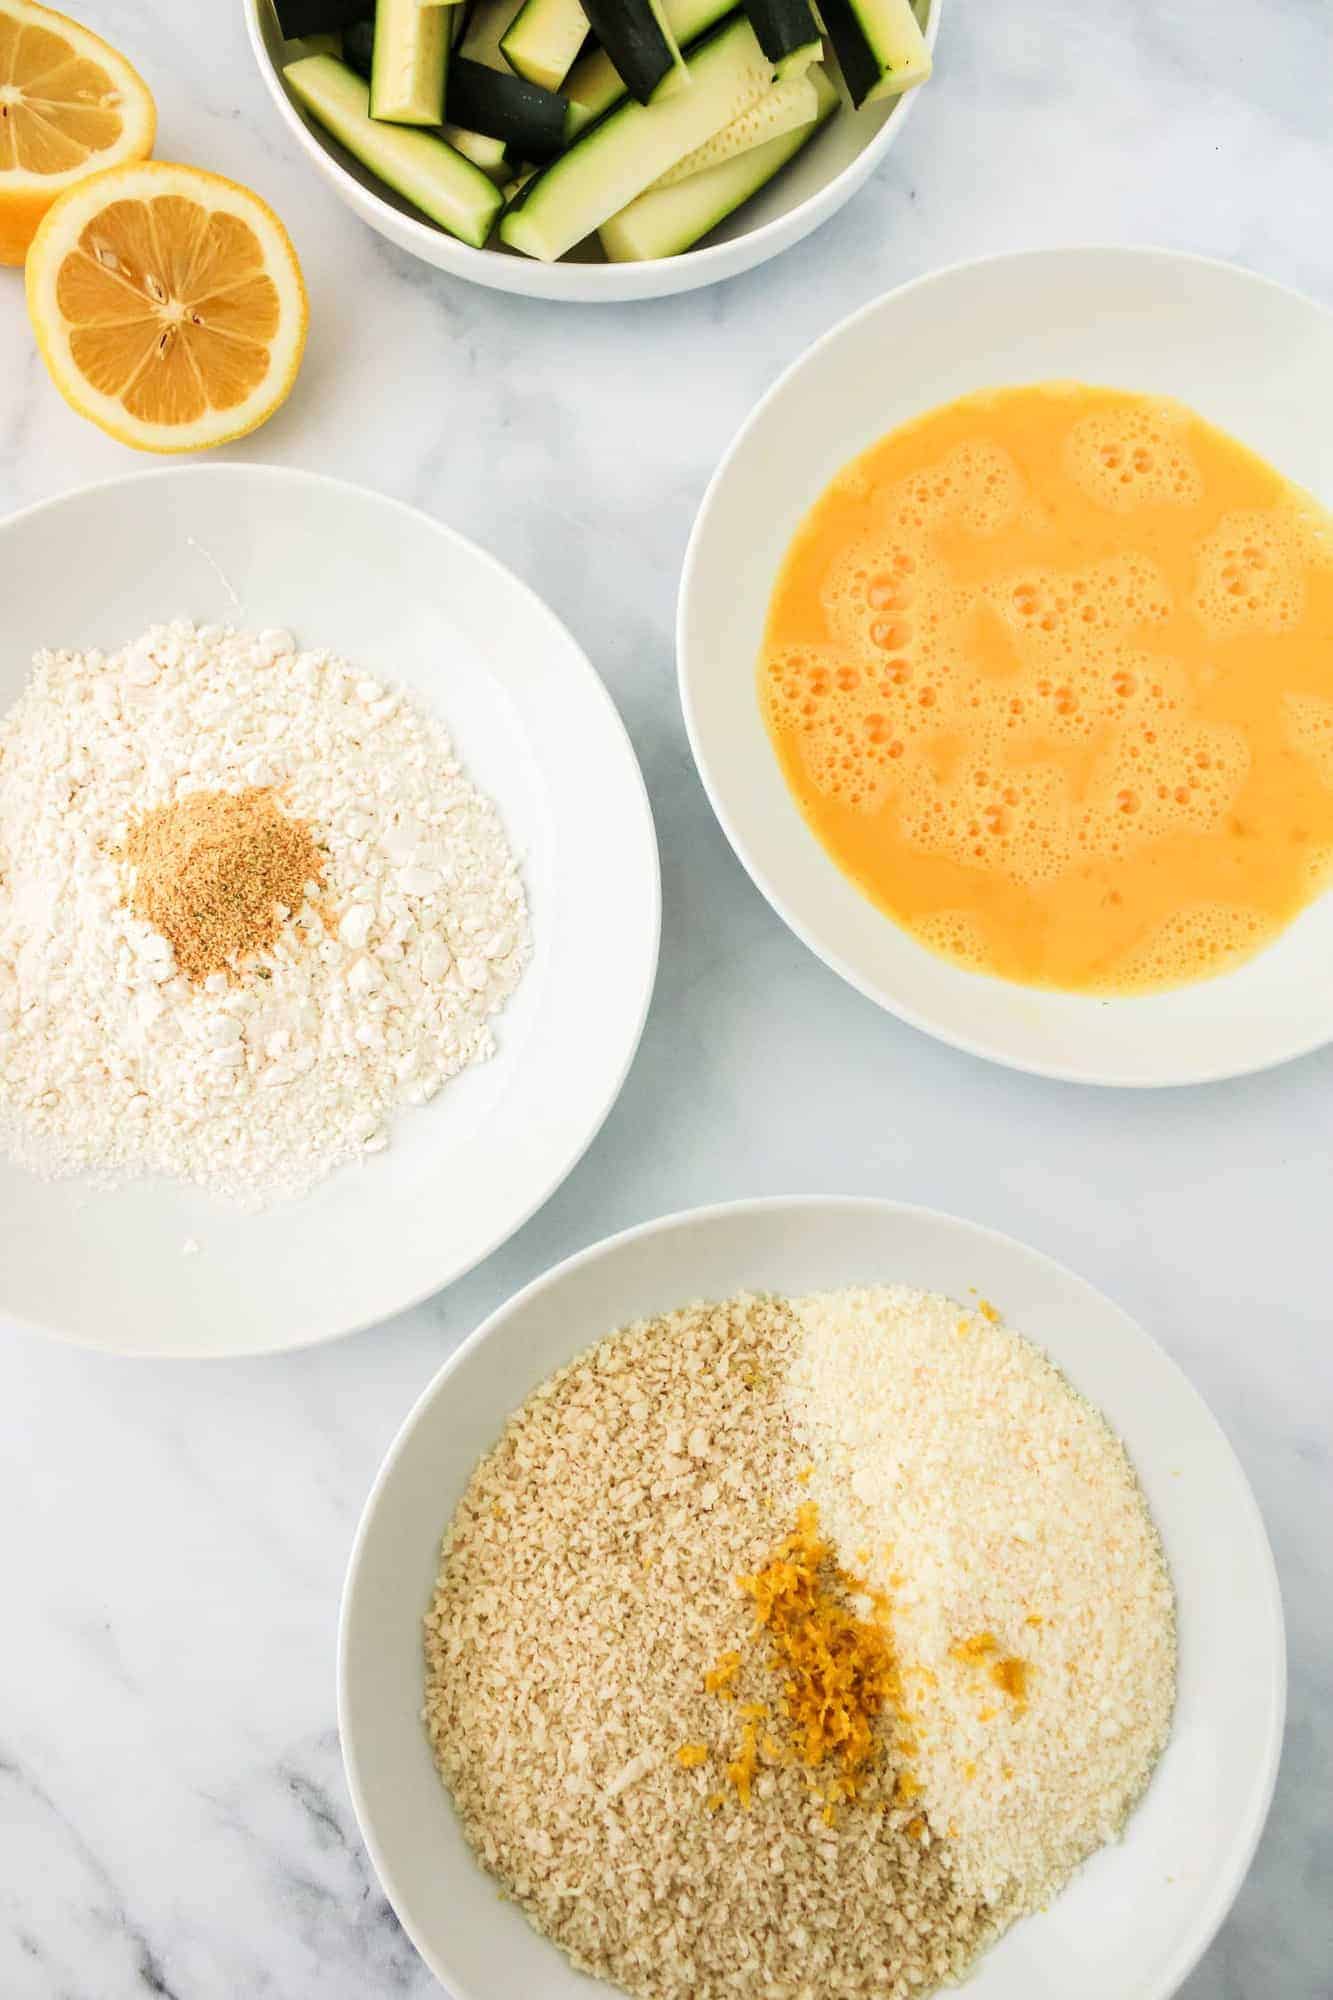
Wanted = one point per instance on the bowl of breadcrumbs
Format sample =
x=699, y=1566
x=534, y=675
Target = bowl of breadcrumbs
x=811, y=1601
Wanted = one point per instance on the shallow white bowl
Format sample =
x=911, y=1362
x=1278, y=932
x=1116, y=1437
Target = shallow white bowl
x=1138, y=1917
x=1243, y=352
x=417, y=604
x=815, y=186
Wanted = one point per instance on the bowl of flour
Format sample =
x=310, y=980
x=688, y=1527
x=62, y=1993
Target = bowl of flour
x=299, y=1018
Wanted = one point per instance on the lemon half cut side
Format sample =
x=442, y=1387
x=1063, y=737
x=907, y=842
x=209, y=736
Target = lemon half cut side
x=70, y=104
x=168, y=305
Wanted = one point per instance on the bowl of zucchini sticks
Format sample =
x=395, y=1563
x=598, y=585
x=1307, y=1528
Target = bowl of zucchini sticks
x=594, y=150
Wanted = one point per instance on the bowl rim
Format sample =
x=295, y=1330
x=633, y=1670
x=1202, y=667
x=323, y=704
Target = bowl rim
x=708, y=769
x=1228, y=1885
x=624, y=283
x=242, y=469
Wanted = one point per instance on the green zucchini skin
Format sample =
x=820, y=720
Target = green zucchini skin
x=879, y=46
x=299, y=18
x=786, y=31
x=504, y=106
x=637, y=36
x=856, y=60
x=359, y=45
x=594, y=85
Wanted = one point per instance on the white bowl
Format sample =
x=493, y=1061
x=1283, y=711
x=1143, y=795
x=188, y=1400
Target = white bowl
x=414, y=603
x=1138, y=1917
x=815, y=186
x=1245, y=353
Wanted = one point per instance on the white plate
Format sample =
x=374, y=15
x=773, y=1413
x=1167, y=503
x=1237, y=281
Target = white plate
x=815, y=186
x=1140, y=1914
x=1247, y=355
x=412, y=602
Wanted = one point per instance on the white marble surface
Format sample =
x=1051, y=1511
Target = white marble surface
x=172, y=1813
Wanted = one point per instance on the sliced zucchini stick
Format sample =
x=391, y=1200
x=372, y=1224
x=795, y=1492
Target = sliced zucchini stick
x=487, y=24
x=595, y=84
x=667, y=220
x=879, y=45
x=417, y=165
x=784, y=108
x=616, y=159
x=504, y=106
x=543, y=40
x=409, y=62
x=319, y=45
x=637, y=36
x=788, y=34
x=491, y=155
x=357, y=41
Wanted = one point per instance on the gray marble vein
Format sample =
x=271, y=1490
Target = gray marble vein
x=173, y=1818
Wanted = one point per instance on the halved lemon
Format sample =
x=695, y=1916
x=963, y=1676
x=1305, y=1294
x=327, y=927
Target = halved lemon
x=69, y=104
x=168, y=305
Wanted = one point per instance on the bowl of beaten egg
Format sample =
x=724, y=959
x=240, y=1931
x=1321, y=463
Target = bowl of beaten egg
x=1006, y=653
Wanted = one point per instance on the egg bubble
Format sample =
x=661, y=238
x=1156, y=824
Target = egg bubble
x=1134, y=455
x=957, y=935
x=832, y=705
x=1250, y=573
x=1197, y=942
x=1308, y=721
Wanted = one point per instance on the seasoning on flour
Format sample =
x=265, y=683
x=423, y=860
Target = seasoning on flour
x=250, y=906
x=218, y=873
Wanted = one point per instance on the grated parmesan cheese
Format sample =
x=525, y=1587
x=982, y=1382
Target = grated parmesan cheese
x=1031, y=1605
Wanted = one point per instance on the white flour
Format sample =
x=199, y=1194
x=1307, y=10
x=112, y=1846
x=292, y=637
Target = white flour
x=111, y=1062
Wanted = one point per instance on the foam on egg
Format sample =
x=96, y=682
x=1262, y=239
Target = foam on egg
x=1251, y=573
x=1134, y=454
x=1027, y=666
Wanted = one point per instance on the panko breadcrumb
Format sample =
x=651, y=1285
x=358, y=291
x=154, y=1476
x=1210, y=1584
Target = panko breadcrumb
x=588, y=1582
x=789, y=1651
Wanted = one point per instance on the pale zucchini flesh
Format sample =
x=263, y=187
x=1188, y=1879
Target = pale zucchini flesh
x=879, y=45
x=798, y=61
x=491, y=155
x=543, y=39
x=616, y=159
x=487, y=26
x=785, y=108
x=410, y=60
x=665, y=221
x=314, y=45
x=417, y=165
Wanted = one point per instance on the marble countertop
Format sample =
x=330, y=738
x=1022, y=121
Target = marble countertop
x=173, y=1819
